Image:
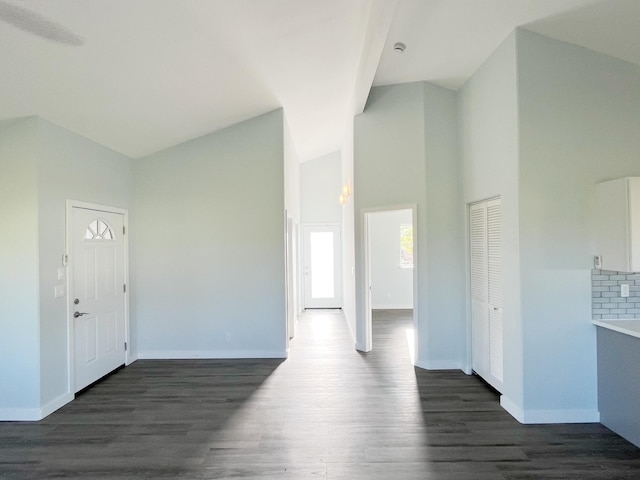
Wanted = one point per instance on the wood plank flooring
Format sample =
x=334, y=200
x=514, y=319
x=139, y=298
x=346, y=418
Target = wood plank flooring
x=327, y=412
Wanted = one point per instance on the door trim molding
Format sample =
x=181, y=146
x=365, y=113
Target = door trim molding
x=70, y=205
x=303, y=253
x=364, y=327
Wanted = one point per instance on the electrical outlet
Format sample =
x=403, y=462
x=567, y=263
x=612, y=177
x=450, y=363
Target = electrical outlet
x=624, y=290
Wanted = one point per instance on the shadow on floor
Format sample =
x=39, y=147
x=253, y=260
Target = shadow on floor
x=326, y=412
x=152, y=419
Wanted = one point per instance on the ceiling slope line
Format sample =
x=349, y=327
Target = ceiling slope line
x=374, y=37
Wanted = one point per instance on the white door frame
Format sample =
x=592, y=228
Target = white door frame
x=366, y=288
x=290, y=263
x=68, y=262
x=469, y=367
x=298, y=268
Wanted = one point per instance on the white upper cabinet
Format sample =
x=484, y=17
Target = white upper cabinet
x=618, y=224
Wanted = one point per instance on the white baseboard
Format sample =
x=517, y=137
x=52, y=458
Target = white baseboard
x=346, y=319
x=20, y=414
x=55, y=404
x=512, y=409
x=34, y=414
x=549, y=416
x=402, y=306
x=209, y=354
x=439, y=365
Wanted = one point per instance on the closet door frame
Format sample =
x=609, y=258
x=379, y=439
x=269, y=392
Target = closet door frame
x=485, y=294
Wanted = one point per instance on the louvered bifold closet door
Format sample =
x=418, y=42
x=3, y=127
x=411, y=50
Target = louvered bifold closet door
x=479, y=288
x=485, y=232
x=494, y=274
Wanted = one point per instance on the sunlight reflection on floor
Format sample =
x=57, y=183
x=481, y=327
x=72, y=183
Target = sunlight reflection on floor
x=411, y=343
x=321, y=328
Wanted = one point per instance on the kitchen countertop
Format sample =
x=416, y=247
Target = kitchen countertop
x=628, y=327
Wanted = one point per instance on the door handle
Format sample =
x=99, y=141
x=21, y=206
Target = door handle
x=79, y=314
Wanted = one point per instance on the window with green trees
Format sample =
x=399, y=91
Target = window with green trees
x=406, y=246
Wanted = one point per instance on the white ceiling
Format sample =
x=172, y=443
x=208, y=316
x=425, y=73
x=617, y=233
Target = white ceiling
x=447, y=40
x=140, y=76
x=154, y=73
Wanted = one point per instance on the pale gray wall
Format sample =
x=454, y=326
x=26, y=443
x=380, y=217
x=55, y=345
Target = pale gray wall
x=210, y=244
x=69, y=167
x=391, y=285
x=488, y=119
x=19, y=337
x=579, y=123
x=348, y=233
x=291, y=175
x=541, y=122
x=446, y=345
x=43, y=166
x=389, y=171
x=320, y=187
x=406, y=154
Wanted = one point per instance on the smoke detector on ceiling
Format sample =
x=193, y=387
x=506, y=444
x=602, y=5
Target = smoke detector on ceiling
x=399, y=47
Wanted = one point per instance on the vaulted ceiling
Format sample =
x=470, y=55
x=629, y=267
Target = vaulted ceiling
x=140, y=76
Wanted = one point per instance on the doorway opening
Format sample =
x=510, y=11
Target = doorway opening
x=390, y=270
x=322, y=248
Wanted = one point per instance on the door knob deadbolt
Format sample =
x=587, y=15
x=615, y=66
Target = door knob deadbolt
x=79, y=314
x=76, y=301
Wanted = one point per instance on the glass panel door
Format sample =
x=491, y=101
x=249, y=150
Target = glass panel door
x=322, y=267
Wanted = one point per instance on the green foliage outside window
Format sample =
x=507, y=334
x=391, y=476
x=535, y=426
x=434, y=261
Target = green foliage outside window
x=406, y=246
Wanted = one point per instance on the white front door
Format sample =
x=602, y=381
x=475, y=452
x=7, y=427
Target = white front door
x=97, y=294
x=322, y=266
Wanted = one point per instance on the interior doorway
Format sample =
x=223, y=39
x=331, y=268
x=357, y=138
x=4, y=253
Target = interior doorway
x=322, y=248
x=98, y=329
x=390, y=268
x=291, y=260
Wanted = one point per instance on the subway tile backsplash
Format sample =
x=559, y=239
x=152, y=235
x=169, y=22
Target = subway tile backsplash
x=605, y=295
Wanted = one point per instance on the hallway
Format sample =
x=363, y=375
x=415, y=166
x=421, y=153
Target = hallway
x=327, y=412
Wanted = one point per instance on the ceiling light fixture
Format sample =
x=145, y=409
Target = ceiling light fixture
x=346, y=193
x=399, y=47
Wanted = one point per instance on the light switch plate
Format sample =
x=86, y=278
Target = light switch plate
x=59, y=291
x=60, y=273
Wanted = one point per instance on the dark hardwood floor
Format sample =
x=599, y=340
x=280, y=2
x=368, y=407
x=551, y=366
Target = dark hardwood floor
x=327, y=412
